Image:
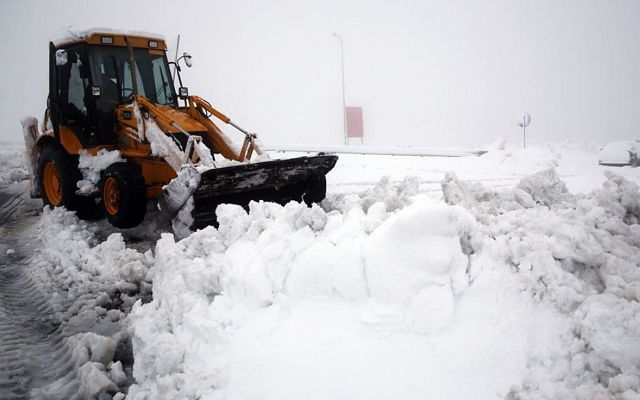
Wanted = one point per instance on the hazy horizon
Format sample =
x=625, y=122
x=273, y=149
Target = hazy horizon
x=426, y=73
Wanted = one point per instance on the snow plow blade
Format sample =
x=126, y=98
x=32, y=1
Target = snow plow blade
x=280, y=181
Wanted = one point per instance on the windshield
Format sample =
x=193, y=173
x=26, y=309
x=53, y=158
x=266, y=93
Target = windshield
x=111, y=71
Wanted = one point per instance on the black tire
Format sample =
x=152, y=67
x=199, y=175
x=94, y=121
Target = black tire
x=316, y=190
x=65, y=167
x=126, y=208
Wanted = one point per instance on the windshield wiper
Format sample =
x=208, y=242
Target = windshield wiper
x=165, y=83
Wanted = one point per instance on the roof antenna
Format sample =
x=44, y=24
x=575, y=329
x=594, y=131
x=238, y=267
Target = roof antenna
x=175, y=66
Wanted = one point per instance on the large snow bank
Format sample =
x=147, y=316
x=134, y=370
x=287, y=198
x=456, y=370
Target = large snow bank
x=521, y=292
x=579, y=254
x=517, y=288
x=303, y=303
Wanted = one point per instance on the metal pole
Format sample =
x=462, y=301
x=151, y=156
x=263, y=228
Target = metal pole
x=344, y=104
x=175, y=67
x=524, y=131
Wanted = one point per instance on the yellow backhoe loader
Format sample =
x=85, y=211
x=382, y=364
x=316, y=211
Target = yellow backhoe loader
x=112, y=91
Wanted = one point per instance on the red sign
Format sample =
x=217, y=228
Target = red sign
x=354, y=122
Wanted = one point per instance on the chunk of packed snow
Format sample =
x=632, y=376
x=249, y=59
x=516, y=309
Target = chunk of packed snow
x=30, y=134
x=181, y=223
x=415, y=260
x=101, y=348
x=61, y=57
x=611, y=325
x=94, y=381
x=179, y=190
x=545, y=187
x=91, y=167
x=117, y=373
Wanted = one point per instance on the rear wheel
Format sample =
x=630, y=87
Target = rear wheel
x=58, y=175
x=123, y=195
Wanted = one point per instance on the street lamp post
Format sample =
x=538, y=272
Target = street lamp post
x=344, y=105
x=524, y=119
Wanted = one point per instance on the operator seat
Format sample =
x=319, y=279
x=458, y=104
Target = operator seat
x=106, y=104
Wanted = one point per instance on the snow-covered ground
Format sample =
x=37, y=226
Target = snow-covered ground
x=515, y=274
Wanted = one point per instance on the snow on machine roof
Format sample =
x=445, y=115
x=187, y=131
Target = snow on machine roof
x=69, y=35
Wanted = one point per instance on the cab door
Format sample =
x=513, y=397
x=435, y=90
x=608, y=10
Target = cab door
x=72, y=105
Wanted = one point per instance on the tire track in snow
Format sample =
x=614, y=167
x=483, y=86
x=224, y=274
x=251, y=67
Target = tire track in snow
x=9, y=204
x=33, y=350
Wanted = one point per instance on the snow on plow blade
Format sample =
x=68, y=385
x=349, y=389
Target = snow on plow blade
x=280, y=181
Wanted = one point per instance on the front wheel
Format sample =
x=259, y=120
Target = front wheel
x=124, y=195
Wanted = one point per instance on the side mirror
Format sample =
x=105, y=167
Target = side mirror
x=183, y=92
x=187, y=59
x=61, y=57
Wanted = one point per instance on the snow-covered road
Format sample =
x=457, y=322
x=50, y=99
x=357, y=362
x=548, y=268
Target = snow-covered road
x=60, y=330
x=32, y=351
x=516, y=276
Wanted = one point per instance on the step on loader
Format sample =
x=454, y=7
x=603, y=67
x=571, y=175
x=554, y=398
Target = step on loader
x=112, y=91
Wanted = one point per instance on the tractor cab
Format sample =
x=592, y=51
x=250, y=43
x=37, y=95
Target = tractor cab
x=91, y=77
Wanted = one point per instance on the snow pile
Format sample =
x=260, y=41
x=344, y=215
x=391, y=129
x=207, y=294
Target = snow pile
x=545, y=187
x=97, y=375
x=305, y=303
x=101, y=279
x=394, y=195
x=511, y=288
x=498, y=144
x=93, y=285
x=97, y=372
x=579, y=254
x=622, y=152
x=92, y=165
x=521, y=161
x=12, y=165
x=541, y=287
x=487, y=201
x=417, y=261
x=162, y=145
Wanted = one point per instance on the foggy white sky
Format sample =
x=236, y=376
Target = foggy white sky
x=427, y=73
